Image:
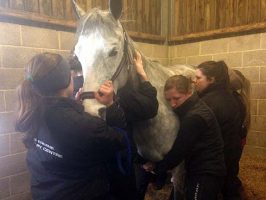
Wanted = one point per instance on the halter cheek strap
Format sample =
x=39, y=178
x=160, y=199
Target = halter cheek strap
x=87, y=95
x=125, y=61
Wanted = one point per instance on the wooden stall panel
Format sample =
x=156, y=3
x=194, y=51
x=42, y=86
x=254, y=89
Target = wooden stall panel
x=142, y=16
x=31, y=6
x=17, y=4
x=183, y=17
x=221, y=10
x=82, y=4
x=46, y=7
x=4, y=3
x=147, y=16
x=254, y=11
x=210, y=15
x=99, y=4
x=240, y=14
x=158, y=17
x=138, y=16
x=58, y=9
x=263, y=10
x=197, y=16
x=200, y=20
x=69, y=14
x=229, y=13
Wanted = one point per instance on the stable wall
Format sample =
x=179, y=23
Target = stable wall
x=17, y=45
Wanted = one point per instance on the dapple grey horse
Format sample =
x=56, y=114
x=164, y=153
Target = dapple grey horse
x=106, y=52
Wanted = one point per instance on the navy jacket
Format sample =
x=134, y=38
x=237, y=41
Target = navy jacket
x=70, y=154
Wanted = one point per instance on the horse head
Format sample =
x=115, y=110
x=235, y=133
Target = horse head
x=103, y=50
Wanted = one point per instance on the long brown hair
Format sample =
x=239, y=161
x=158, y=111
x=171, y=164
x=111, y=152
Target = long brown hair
x=239, y=83
x=31, y=104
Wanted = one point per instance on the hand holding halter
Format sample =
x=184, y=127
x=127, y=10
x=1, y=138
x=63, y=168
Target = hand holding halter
x=105, y=94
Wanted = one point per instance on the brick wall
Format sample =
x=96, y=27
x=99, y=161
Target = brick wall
x=245, y=53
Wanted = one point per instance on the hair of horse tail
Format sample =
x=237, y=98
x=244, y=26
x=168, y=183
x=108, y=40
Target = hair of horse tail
x=217, y=70
x=181, y=83
x=31, y=101
x=241, y=84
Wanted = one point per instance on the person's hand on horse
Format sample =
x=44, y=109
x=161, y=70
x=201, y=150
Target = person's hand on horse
x=149, y=167
x=78, y=95
x=105, y=94
x=139, y=67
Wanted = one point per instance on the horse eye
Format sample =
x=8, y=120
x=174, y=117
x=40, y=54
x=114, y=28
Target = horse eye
x=113, y=52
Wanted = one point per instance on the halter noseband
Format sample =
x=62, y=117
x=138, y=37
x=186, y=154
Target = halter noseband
x=125, y=61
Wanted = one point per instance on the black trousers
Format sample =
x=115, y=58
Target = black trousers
x=200, y=187
x=142, y=181
x=123, y=187
x=232, y=184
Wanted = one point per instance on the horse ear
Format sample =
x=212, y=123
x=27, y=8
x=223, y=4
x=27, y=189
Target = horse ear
x=115, y=7
x=79, y=12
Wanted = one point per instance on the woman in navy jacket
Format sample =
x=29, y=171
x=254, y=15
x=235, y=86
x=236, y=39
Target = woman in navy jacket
x=68, y=150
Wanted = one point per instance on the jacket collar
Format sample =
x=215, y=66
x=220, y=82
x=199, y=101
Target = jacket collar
x=186, y=106
x=64, y=102
x=211, y=88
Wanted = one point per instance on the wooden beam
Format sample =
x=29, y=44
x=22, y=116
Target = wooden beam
x=19, y=16
x=6, y=14
x=165, y=17
x=146, y=36
x=68, y=24
x=229, y=31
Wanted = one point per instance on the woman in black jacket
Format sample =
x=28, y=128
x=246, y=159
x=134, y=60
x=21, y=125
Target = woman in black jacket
x=199, y=142
x=138, y=104
x=69, y=151
x=212, y=85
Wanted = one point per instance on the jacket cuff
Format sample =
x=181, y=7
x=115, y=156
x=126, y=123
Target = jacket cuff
x=146, y=84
